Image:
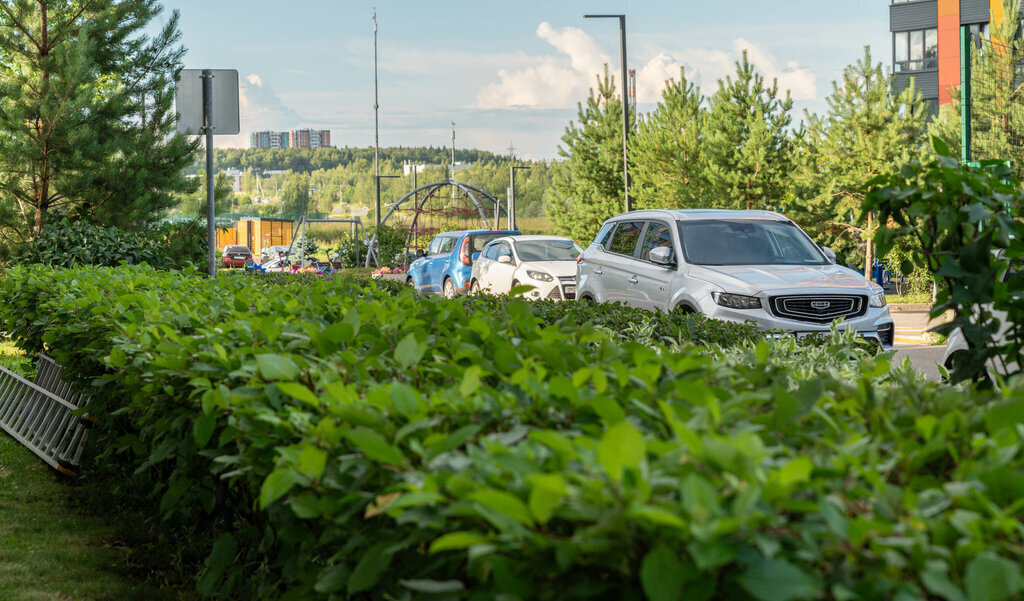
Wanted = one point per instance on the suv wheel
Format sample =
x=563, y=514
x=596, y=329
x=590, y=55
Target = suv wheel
x=449, y=288
x=474, y=289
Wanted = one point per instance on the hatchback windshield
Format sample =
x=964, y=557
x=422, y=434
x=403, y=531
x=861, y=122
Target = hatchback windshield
x=747, y=242
x=548, y=250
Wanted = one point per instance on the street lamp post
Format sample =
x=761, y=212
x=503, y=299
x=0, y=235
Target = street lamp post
x=625, y=101
x=512, y=196
x=377, y=179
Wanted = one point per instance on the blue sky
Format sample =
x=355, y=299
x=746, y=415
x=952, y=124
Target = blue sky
x=504, y=72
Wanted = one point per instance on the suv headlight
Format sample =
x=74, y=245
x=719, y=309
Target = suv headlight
x=877, y=299
x=736, y=301
x=539, y=276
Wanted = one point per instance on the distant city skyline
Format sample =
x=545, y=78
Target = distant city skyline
x=504, y=74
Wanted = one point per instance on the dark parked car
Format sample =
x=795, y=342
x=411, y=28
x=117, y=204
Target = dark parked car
x=236, y=255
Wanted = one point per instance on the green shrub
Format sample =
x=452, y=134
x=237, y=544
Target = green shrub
x=325, y=438
x=390, y=245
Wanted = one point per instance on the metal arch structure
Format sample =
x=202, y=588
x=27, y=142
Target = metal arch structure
x=466, y=203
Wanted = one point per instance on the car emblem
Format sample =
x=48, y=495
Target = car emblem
x=821, y=305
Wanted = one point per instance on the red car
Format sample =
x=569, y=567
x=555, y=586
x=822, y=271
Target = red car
x=236, y=255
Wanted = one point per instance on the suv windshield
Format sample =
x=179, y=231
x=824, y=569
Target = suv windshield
x=548, y=250
x=747, y=242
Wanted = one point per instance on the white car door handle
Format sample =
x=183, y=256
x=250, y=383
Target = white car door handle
x=633, y=280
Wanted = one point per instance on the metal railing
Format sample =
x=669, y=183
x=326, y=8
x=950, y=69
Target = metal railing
x=42, y=415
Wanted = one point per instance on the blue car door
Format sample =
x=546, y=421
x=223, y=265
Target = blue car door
x=438, y=264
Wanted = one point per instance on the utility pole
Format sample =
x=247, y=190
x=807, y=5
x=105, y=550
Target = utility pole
x=211, y=232
x=453, y=161
x=625, y=101
x=965, y=94
x=376, y=124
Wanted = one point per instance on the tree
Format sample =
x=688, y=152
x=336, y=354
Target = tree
x=193, y=203
x=667, y=163
x=746, y=145
x=295, y=198
x=866, y=131
x=587, y=188
x=87, y=112
x=997, y=96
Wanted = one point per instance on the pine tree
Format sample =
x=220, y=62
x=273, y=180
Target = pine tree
x=867, y=130
x=997, y=96
x=667, y=169
x=587, y=188
x=87, y=113
x=746, y=145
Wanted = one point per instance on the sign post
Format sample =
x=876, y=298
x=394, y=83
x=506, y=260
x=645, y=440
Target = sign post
x=207, y=102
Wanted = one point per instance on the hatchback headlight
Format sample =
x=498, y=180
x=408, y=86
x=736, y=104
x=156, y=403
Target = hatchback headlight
x=736, y=301
x=877, y=299
x=540, y=276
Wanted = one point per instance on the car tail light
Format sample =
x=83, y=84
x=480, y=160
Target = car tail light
x=579, y=259
x=464, y=252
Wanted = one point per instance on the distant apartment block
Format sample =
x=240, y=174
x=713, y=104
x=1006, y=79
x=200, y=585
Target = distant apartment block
x=297, y=138
x=268, y=139
x=310, y=138
x=927, y=36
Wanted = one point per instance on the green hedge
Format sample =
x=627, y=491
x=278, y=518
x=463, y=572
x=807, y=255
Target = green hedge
x=330, y=439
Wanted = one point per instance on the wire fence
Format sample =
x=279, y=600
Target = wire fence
x=997, y=98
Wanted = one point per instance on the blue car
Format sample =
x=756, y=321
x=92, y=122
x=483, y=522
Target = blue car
x=445, y=267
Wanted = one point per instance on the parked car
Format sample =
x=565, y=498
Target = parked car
x=236, y=255
x=275, y=251
x=957, y=345
x=548, y=263
x=447, y=263
x=740, y=266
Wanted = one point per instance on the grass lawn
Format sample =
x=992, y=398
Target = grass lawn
x=54, y=548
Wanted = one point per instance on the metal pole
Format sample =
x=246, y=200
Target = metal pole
x=511, y=193
x=211, y=233
x=965, y=94
x=625, y=103
x=625, y=113
x=376, y=126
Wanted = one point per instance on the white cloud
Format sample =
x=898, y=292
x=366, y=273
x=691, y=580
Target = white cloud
x=259, y=109
x=562, y=80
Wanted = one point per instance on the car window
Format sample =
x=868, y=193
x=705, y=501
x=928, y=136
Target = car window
x=548, y=250
x=625, y=238
x=490, y=252
x=605, y=234
x=237, y=249
x=658, y=234
x=447, y=244
x=478, y=241
x=435, y=246
x=747, y=242
x=504, y=250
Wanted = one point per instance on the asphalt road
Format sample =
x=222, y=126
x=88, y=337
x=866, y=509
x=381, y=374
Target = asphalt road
x=922, y=357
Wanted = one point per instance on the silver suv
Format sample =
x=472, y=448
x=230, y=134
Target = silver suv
x=730, y=265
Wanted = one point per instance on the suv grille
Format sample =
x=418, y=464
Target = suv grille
x=818, y=308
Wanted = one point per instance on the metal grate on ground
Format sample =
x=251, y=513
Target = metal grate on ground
x=41, y=415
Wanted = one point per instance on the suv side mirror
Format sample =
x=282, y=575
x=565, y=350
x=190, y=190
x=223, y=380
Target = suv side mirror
x=661, y=256
x=421, y=253
x=829, y=254
x=505, y=259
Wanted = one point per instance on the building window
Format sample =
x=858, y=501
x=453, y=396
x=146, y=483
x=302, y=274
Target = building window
x=916, y=50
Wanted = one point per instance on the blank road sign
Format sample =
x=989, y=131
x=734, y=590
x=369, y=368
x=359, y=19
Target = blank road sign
x=188, y=101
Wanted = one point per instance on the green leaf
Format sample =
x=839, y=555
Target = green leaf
x=313, y=460
x=298, y=391
x=990, y=577
x=795, y=471
x=453, y=441
x=409, y=351
x=276, y=367
x=503, y=503
x=622, y=446
x=374, y=446
x=662, y=575
x=332, y=579
x=404, y=398
x=711, y=554
x=657, y=516
x=779, y=580
x=470, y=380
x=521, y=289
x=457, y=540
x=433, y=586
x=203, y=427
x=370, y=567
x=277, y=484
x=700, y=499
x=221, y=557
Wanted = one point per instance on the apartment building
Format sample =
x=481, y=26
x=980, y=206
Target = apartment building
x=310, y=138
x=269, y=139
x=926, y=42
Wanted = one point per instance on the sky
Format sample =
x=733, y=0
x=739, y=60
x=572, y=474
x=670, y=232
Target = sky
x=509, y=74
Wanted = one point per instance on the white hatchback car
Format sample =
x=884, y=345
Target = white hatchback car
x=548, y=263
x=731, y=265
